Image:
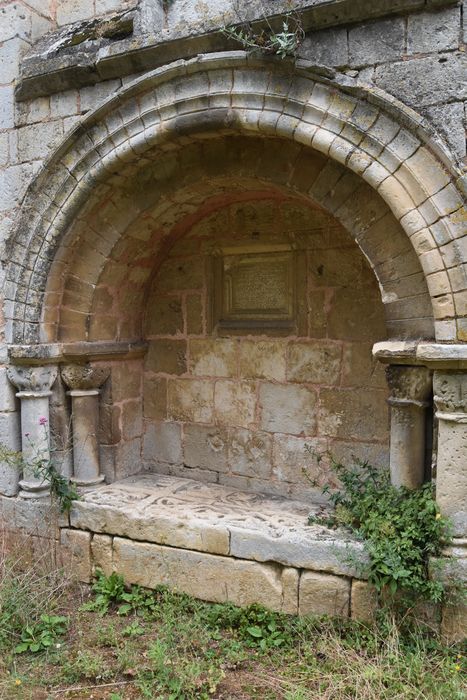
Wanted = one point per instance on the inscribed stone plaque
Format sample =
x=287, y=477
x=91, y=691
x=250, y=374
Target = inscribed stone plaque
x=256, y=290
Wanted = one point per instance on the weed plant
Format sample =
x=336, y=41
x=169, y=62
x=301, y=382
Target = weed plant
x=401, y=529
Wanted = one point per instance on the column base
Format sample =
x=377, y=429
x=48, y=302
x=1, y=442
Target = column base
x=88, y=484
x=30, y=489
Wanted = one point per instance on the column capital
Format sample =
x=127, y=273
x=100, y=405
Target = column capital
x=450, y=394
x=32, y=381
x=84, y=379
x=409, y=385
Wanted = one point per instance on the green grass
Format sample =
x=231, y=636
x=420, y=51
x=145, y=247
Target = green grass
x=140, y=644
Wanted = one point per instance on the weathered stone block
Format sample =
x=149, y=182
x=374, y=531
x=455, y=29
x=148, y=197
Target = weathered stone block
x=194, y=314
x=190, y=400
x=132, y=419
x=155, y=398
x=69, y=11
x=75, y=550
x=291, y=458
x=323, y=594
x=30, y=147
x=429, y=32
x=353, y=318
x=361, y=414
x=454, y=623
x=128, y=457
x=363, y=601
x=262, y=359
x=235, y=403
x=346, y=452
x=412, y=81
x=205, y=447
x=377, y=41
x=101, y=553
x=205, y=576
x=165, y=316
x=163, y=441
x=359, y=368
x=317, y=362
x=213, y=357
x=318, y=552
x=327, y=47
x=288, y=409
x=250, y=453
x=177, y=274
x=168, y=356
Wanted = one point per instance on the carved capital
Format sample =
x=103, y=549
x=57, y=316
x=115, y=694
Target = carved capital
x=450, y=389
x=84, y=377
x=409, y=384
x=36, y=380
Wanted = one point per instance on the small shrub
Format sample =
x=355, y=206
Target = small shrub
x=401, y=529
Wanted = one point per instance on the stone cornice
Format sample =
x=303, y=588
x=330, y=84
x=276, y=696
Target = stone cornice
x=54, y=64
x=59, y=353
x=432, y=355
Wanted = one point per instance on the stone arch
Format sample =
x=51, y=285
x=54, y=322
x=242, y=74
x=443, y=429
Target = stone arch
x=365, y=136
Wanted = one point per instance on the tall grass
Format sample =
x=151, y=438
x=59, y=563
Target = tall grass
x=31, y=584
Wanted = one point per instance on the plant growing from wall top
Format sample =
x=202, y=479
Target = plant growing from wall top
x=266, y=40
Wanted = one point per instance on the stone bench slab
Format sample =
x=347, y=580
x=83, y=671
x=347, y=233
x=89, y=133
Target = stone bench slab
x=209, y=518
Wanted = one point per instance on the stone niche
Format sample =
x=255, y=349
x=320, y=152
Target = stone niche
x=260, y=324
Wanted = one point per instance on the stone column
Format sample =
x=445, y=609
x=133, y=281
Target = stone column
x=410, y=389
x=34, y=384
x=450, y=396
x=84, y=382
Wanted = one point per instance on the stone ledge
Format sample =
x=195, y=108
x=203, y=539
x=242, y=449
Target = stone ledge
x=48, y=69
x=433, y=355
x=54, y=353
x=209, y=518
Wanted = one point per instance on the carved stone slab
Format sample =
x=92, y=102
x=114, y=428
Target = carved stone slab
x=215, y=519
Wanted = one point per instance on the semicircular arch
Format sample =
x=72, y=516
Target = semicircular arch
x=401, y=173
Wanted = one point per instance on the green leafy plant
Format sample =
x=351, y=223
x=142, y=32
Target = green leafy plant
x=401, y=529
x=268, y=41
x=41, y=635
x=108, y=590
x=258, y=627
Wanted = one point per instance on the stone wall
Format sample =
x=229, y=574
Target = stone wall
x=238, y=407
x=417, y=55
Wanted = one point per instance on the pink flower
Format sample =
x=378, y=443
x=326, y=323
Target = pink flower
x=42, y=420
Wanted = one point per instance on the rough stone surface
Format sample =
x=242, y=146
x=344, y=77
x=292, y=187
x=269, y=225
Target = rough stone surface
x=323, y=594
x=412, y=81
x=363, y=601
x=206, y=576
x=76, y=553
x=288, y=409
x=434, y=31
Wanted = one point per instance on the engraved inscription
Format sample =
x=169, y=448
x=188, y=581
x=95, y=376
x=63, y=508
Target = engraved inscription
x=257, y=288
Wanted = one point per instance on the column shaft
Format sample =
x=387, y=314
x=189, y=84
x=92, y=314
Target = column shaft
x=451, y=470
x=410, y=389
x=85, y=417
x=84, y=382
